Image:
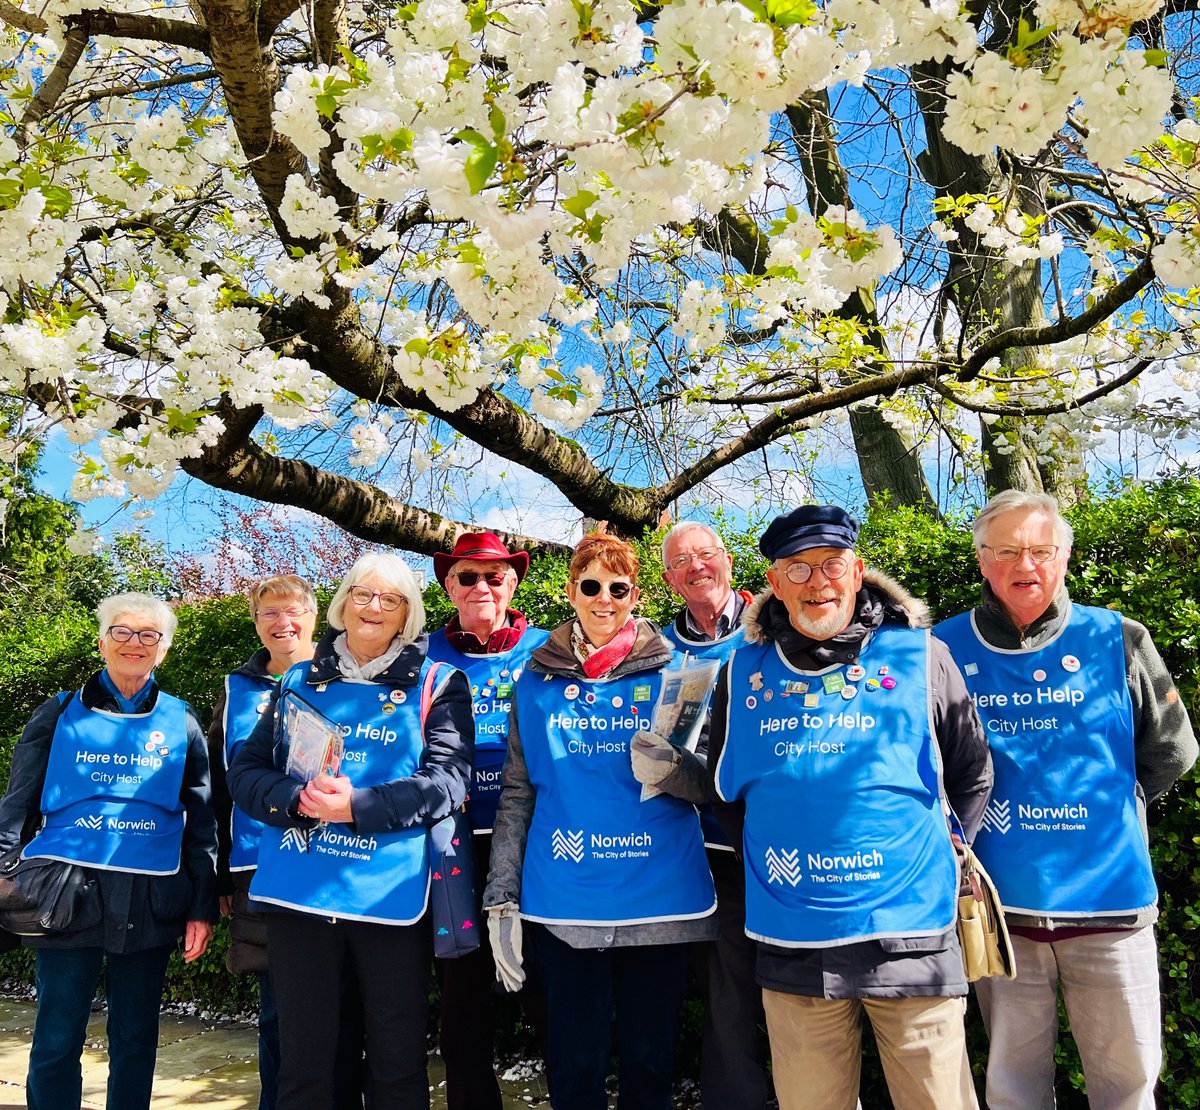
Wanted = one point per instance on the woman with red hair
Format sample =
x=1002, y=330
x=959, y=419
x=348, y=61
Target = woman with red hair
x=616, y=887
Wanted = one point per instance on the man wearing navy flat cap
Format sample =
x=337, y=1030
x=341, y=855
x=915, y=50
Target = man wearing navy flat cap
x=842, y=733
x=490, y=642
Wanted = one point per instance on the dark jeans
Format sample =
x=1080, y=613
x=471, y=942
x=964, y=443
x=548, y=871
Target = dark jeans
x=733, y=1060
x=311, y=958
x=644, y=986
x=465, y=1019
x=66, y=983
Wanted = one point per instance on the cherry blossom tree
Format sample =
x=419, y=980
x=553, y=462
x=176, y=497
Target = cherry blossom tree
x=359, y=257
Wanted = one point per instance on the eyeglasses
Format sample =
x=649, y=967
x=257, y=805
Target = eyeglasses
x=493, y=578
x=705, y=556
x=292, y=612
x=362, y=597
x=833, y=569
x=1040, y=553
x=147, y=637
x=618, y=591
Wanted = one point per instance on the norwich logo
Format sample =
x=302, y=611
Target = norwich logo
x=568, y=846
x=783, y=866
x=996, y=816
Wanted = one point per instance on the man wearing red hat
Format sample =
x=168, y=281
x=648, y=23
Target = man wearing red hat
x=490, y=642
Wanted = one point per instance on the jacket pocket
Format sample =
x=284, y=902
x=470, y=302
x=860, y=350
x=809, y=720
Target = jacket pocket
x=916, y=945
x=170, y=897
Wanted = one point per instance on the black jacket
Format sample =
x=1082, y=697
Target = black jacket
x=140, y=911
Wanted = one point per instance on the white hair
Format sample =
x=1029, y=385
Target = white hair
x=146, y=605
x=1010, y=499
x=397, y=574
x=685, y=526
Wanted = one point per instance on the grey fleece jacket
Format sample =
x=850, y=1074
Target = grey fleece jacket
x=651, y=651
x=1164, y=745
x=894, y=967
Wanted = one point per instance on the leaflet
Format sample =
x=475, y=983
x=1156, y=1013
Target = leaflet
x=683, y=705
x=314, y=742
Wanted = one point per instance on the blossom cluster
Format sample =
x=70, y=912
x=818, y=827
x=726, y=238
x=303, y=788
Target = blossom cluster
x=1022, y=107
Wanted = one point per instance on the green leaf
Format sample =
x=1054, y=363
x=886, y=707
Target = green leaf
x=787, y=13
x=578, y=205
x=480, y=163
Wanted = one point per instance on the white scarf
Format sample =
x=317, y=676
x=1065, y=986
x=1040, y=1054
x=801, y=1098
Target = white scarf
x=372, y=668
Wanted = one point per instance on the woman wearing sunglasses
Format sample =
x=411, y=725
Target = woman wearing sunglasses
x=114, y=777
x=617, y=887
x=343, y=867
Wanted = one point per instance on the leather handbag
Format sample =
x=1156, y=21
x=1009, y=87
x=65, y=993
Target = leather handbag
x=453, y=903
x=982, y=930
x=41, y=896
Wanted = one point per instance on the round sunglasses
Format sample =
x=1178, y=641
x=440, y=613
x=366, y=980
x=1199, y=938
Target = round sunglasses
x=618, y=591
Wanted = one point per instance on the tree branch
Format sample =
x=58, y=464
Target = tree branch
x=238, y=464
x=149, y=28
x=22, y=21
x=1045, y=410
x=787, y=419
x=361, y=364
x=55, y=84
x=135, y=88
x=1125, y=290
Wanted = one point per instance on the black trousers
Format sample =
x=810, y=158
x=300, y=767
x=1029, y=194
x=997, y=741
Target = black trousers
x=733, y=1061
x=309, y=957
x=642, y=988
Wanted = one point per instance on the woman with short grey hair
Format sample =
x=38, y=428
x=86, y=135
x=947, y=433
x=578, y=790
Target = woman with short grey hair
x=343, y=868
x=114, y=778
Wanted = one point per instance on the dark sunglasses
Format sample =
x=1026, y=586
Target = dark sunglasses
x=618, y=591
x=493, y=578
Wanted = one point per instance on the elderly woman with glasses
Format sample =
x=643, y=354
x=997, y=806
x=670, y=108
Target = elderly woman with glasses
x=284, y=611
x=618, y=886
x=343, y=863
x=114, y=777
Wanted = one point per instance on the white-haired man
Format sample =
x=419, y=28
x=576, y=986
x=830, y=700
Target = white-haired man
x=843, y=730
x=1086, y=728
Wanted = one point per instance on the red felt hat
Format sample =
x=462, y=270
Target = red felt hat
x=484, y=546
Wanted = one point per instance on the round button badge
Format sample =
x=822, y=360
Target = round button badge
x=1039, y=675
x=1070, y=663
x=572, y=691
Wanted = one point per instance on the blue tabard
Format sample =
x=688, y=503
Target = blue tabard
x=111, y=798
x=492, y=678
x=1061, y=835
x=845, y=837
x=246, y=698
x=596, y=854
x=379, y=877
x=720, y=649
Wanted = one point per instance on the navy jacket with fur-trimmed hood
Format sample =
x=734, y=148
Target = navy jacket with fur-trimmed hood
x=887, y=968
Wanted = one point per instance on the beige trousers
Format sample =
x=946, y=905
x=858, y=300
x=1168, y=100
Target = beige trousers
x=816, y=1045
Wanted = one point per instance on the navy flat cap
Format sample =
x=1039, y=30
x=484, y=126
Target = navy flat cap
x=808, y=526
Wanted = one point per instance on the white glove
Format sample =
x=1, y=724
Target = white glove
x=653, y=758
x=504, y=931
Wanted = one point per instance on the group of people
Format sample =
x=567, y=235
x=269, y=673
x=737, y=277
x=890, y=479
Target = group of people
x=801, y=854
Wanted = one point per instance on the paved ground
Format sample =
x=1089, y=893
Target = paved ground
x=199, y=1064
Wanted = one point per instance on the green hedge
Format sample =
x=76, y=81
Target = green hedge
x=1137, y=549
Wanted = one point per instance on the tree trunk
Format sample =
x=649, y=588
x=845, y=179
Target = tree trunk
x=890, y=466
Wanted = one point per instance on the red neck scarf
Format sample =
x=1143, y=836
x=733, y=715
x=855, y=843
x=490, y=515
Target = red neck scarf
x=504, y=638
x=598, y=661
